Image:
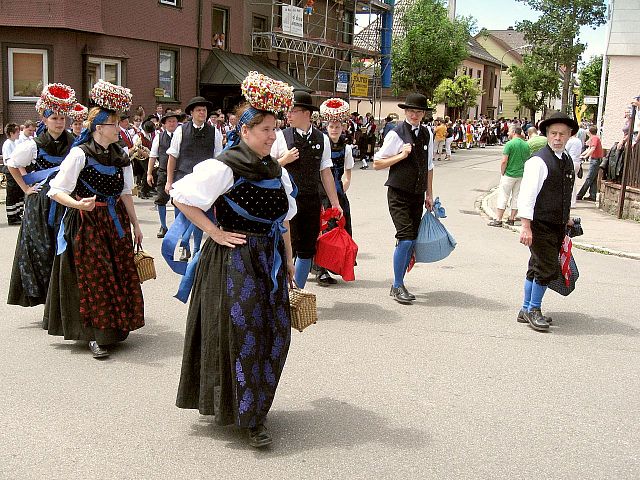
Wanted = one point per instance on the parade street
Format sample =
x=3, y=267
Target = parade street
x=450, y=387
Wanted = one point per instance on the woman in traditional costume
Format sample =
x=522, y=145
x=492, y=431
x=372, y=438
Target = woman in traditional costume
x=41, y=158
x=95, y=292
x=239, y=324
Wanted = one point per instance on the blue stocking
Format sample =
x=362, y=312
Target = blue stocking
x=197, y=239
x=400, y=255
x=537, y=292
x=162, y=213
x=303, y=267
x=528, y=285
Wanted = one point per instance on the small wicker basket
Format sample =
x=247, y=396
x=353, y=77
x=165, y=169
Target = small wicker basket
x=303, y=308
x=144, y=265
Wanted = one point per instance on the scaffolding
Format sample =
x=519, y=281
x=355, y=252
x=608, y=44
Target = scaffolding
x=325, y=46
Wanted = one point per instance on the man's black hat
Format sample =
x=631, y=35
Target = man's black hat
x=559, y=117
x=416, y=101
x=303, y=99
x=124, y=115
x=151, y=117
x=166, y=116
x=198, y=102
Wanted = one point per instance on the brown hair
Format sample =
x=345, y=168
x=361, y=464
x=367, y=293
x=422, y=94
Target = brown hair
x=593, y=129
x=11, y=128
x=29, y=123
x=257, y=119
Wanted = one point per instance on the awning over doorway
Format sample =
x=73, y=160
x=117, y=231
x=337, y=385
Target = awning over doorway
x=226, y=68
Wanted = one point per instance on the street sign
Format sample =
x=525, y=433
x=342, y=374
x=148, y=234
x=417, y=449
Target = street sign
x=342, y=85
x=590, y=100
x=359, y=85
x=292, y=20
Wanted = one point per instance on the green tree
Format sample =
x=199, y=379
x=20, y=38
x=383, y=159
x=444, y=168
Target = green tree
x=555, y=35
x=461, y=92
x=533, y=83
x=431, y=48
x=589, y=78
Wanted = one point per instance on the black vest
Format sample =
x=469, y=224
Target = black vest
x=306, y=170
x=163, y=145
x=196, y=146
x=410, y=174
x=554, y=200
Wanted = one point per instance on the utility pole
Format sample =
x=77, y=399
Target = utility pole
x=452, y=9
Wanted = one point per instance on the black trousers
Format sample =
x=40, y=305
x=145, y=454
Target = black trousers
x=15, y=200
x=544, y=265
x=305, y=226
x=406, y=212
x=161, y=182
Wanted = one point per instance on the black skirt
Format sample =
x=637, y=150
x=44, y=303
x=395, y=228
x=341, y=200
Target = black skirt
x=237, y=335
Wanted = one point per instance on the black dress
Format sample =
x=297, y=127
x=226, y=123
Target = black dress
x=36, y=245
x=238, y=328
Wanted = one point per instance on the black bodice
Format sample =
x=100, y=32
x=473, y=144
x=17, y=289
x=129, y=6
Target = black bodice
x=269, y=204
x=104, y=183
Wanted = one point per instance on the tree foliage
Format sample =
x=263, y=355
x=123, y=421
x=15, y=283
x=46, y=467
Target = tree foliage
x=589, y=78
x=461, y=92
x=555, y=35
x=533, y=83
x=431, y=49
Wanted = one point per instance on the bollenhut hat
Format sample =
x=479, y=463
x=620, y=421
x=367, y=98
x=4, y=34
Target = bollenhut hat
x=416, y=101
x=198, y=102
x=303, y=99
x=559, y=117
x=166, y=116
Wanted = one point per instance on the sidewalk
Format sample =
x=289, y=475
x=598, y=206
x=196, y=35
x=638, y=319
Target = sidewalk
x=603, y=233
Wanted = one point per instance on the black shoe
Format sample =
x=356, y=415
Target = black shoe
x=259, y=437
x=185, y=255
x=324, y=279
x=364, y=167
x=510, y=222
x=523, y=319
x=97, y=351
x=406, y=292
x=401, y=295
x=495, y=223
x=162, y=232
x=536, y=320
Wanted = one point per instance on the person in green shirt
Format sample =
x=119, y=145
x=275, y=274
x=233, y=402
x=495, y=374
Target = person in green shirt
x=536, y=141
x=515, y=153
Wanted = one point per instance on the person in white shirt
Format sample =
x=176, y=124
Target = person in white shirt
x=15, y=196
x=574, y=149
x=27, y=133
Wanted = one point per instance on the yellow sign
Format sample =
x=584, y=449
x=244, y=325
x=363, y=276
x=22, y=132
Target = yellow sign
x=158, y=92
x=359, y=85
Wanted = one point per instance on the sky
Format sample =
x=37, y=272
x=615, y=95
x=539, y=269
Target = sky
x=501, y=14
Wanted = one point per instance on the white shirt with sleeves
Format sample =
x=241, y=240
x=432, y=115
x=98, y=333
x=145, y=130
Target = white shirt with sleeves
x=210, y=179
x=348, y=157
x=574, y=149
x=24, y=154
x=155, y=145
x=8, y=147
x=176, y=142
x=67, y=178
x=392, y=145
x=535, y=173
x=279, y=148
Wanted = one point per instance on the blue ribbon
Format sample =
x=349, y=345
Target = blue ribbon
x=85, y=135
x=61, y=242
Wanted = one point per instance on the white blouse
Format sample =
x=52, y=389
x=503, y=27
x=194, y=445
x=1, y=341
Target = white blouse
x=212, y=178
x=25, y=154
x=67, y=178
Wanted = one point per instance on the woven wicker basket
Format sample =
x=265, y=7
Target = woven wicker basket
x=303, y=308
x=144, y=265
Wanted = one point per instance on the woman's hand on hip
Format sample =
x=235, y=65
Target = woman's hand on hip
x=227, y=239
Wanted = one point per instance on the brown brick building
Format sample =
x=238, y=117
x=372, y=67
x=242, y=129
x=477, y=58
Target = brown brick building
x=175, y=49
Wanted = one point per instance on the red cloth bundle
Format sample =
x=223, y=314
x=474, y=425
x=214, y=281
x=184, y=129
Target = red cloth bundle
x=336, y=251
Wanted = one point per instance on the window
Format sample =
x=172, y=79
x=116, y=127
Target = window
x=347, y=27
x=479, y=73
x=259, y=24
x=28, y=73
x=171, y=3
x=219, y=19
x=292, y=70
x=105, y=69
x=167, y=68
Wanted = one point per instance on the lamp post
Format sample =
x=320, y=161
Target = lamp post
x=503, y=65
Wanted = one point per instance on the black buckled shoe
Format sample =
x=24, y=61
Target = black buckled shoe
x=96, y=351
x=185, y=255
x=401, y=295
x=536, y=320
x=523, y=319
x=407, y=293
x=259, y=437
x=324, y=279
x=162, y=232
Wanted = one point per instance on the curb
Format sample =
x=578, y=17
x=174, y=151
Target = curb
x=482, y=205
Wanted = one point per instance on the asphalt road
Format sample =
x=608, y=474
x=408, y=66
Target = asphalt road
x=451, y=387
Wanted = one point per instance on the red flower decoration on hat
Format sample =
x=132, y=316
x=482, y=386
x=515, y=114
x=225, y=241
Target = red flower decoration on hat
x=110, y=96
x=334, y=110
x=57, y=98
x=79, y=113
x=265, y=93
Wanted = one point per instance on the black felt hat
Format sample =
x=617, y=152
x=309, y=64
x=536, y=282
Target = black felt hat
x=303, y=99
x=559, y=117
x=416, y=101
x=166, y=116
x=198, y=102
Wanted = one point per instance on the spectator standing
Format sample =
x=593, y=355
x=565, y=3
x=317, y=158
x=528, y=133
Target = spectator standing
x=536, y=141
x=440, y=132
x=15, y=195
x=27, y=133
x=594, y=153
